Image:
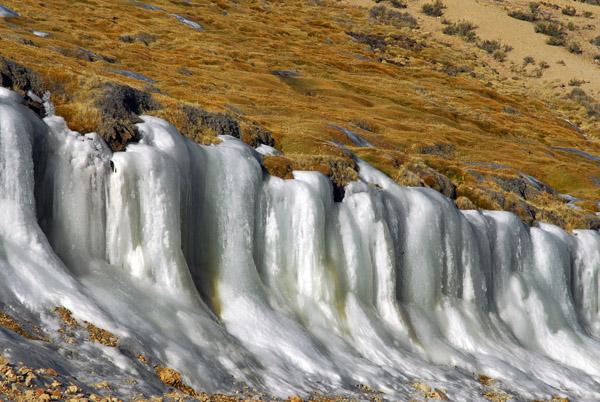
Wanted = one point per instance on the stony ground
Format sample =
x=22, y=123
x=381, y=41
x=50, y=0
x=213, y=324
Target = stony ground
x=21, y=383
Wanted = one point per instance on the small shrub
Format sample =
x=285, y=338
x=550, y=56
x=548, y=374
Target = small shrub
x=592, y=107
x=391, y=17
x=556, y=41
x=543, y=65
x=533, y=7
x=574, y=82
x=561, y=62
x=434, y=9
x=528, y=60
x=588, y=14
x=571, y=26
x=464, y=29
x=596, y=41
x=494, y=47
x=378, y=12
x=574, y=48
x=363, y=125
x=569, y=10
x=523, y=16
x=398, y=3
x=489, y=46
x=500, y=55
x=549, y=28
x=454, y=70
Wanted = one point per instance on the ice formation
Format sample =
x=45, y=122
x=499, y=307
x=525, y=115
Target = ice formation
x=196, y=257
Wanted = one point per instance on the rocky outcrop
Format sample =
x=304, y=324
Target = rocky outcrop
x=119, y=107
x=436, y=181
x=254, y=135
x=26, y=82
x=19, y=78
x=199, y=119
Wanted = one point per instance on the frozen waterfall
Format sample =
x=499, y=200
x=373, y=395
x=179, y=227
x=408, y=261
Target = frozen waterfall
x=196, y=256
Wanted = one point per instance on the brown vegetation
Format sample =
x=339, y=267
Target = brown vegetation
x=336, y=64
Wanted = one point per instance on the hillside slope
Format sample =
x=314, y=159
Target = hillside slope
x=440, y=112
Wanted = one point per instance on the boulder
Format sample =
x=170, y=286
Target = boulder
x=199, y=119
x=119, y=107
x=19, y=78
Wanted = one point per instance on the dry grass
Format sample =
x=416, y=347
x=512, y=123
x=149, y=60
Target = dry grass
x=411, y=90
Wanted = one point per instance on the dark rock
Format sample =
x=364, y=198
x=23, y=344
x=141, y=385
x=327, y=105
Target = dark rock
x=510, y=110
x=436, y=181
x=153, y=90
x=592, y=222
x=141, y=37
x=126, y=38
x=19, y=78
x=495, y=197
x=442, y=150
x=519, y=186
x=476, y=175
x=119, y=106
x=523, y=210
x=74, y=53
x=95, y=57
x=219, y=123
x=285, y=74
x=255, y=134
x=29, y=42
x=338, y=193
x=82, y=54
x=363, y=125
x=183, y=71
x=35, y=103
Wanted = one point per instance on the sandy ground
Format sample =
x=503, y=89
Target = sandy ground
x=494, y=24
